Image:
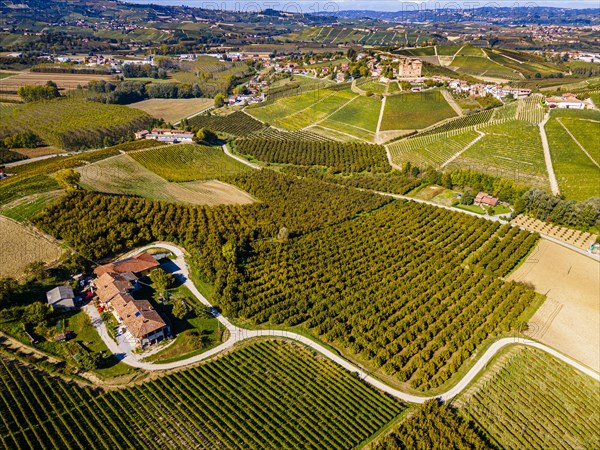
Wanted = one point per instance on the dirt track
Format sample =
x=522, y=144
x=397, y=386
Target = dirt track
x=569, y=319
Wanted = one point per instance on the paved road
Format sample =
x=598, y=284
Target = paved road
x=37, y=158
x=238, y=334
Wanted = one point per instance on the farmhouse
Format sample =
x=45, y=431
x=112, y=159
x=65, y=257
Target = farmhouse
x=114, y=285
x=566, y=101
x=483, y=199
x=139, y=265
x=409, y=68
x=142, y=321
x=61, y=297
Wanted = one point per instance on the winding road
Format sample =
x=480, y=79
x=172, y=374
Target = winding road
x=237, y=334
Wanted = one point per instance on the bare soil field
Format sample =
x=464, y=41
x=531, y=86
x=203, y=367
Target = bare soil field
x=65, y=81
x=40, y=151
x=22, y=245
x=569, y=319
x=210, y=193
x=173, y=110
x=577, y=238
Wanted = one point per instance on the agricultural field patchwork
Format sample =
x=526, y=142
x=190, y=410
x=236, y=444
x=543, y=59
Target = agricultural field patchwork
x=415, y=110
x=358, y=119
x=189, y=162
x=23, y=245
x=304, y=400
x=531, y=400
x=66, y=81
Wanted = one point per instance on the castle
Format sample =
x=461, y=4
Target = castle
x=409, y=68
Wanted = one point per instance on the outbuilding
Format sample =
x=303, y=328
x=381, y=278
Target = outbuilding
x=61, y=297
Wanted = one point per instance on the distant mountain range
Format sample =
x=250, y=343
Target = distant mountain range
x=498, y=16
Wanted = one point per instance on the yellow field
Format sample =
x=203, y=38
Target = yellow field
x=21, y=246
x=173, y=110
x=65, y=81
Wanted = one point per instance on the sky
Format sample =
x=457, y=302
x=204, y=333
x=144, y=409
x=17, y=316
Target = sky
x=377, y=5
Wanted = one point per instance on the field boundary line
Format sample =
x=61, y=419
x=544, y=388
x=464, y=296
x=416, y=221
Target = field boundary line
x=228, y=152
x=548, y=156
x=309, y=106
x=577, y=142
x=381, y=113
x=195, y=114
x=448, y=97
x=336, y=111
x=467, y=147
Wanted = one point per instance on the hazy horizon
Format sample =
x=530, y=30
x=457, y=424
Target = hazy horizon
x=378, y=5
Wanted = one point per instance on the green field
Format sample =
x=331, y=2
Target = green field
x=318, y=111
x=512, y=149
x=431, y=150
x=483, y=67
x=273, y=392
x=74, y=123
x=188, y=162
x=576, y=173
x=277, y=112
x=125, y=176
x=415, y=110
x=26, y=207
x=361, y=113
x=535, y=401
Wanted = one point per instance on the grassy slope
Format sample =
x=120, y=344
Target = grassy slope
x=415, y=110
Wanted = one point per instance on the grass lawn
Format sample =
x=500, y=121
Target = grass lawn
x=436, y=194
x=198, y=332
x=84, y=333
x=415, y=110
x=471, y=208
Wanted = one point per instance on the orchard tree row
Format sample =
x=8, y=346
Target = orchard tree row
x=391, y=288
x=341, y=157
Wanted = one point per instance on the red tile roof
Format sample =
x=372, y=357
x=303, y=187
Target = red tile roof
x=136, y=264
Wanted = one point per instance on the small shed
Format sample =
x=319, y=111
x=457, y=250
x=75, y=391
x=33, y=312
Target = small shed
x=61, y=297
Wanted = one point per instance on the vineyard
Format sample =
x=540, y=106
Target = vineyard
x=464, y=123
x=188, y=162
x=268, y=392
x=512, y=149
x=432, y=426
x=584, y=126
x=341, y=157
x=576, y=173
x=292, y=136
x=415, y=110
x=534, y=401
x=322, y=108
x=237, y=123
x=530, y=109
x=75, y=124
x=391, y=289
x=432, y=149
